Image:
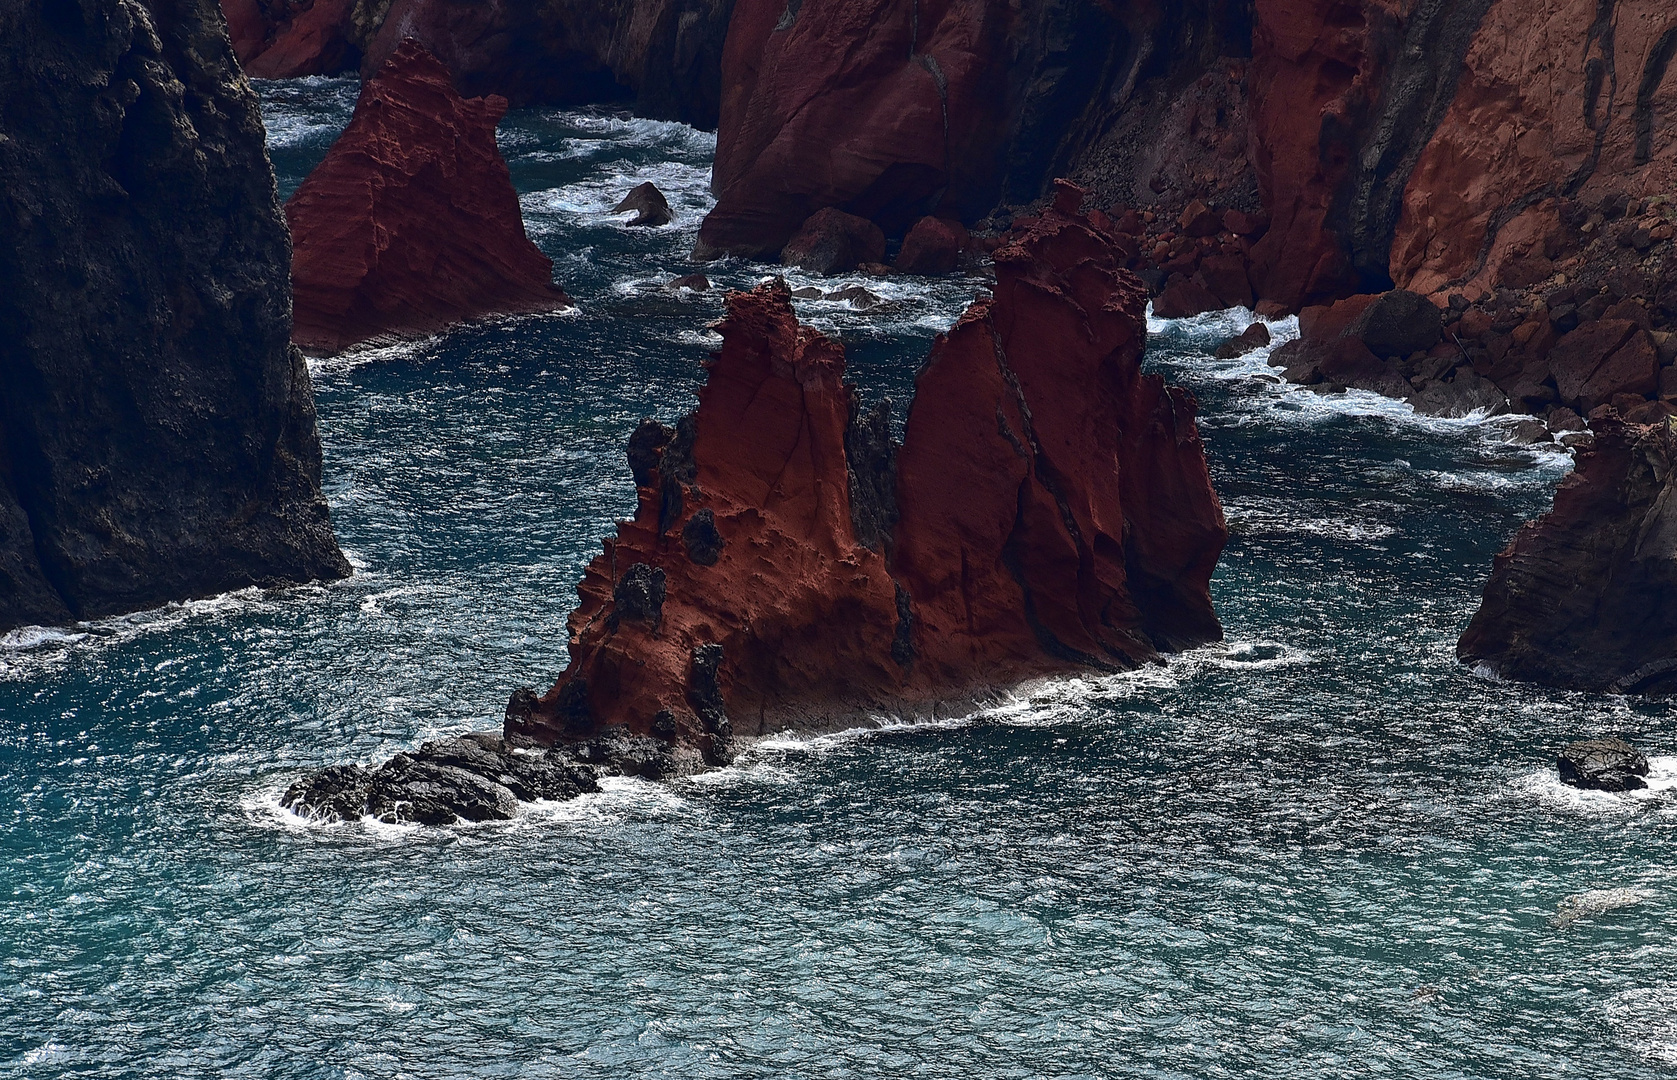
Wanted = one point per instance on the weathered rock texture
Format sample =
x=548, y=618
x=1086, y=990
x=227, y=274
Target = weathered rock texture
x=662, y=56
x=1050, y=510
x=411, y=223
x=1586, y=595
x=157, y=430
x=1602, y=764
x=893, y=109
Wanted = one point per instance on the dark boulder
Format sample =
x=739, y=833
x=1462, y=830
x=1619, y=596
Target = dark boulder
x=1255, y=336
x=476, y=777
x=1183, y=297
x=1399, y=323
x=856, y=296
x=648, y=203
x=834, y=242
x=932, y=247
x=692, y=282
x=1603, y=764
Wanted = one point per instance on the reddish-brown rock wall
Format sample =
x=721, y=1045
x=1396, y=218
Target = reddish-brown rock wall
x=1586, y=595
x=663, y=55
x=1052, y=512
x=1557, y=98
x=411, y=223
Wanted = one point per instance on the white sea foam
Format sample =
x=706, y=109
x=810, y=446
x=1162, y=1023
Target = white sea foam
x=1645, y=1021
x=619, y=798
x=686, y=187
x=1545, y=785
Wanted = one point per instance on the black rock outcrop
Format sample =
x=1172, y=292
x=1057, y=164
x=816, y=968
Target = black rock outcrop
x=477, y=777
x=1604, y=764
x=157, y=430
x=1585, y=597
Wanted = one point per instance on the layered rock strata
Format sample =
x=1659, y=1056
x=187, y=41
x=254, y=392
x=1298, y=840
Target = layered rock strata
x=1586, y=596
x=1048, y=511
x=411, y=223
x=157, y=430
x=664, y=57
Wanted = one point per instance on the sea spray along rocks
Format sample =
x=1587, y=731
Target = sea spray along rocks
x=411, y=223
x=1603, y=764
x=789, y=566
x=157, y=430
x=662, y=56
x=1049, y=511
x=1586, y=596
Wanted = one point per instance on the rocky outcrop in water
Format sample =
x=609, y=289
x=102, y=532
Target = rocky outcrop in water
x=1602, y=764
x=475, y=777
x=663, y=57
x=411, y=223
x=1586, y=596
x=157, y=430
x=1049, y=511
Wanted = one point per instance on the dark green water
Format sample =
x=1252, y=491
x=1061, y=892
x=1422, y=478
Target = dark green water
x=1323, y=850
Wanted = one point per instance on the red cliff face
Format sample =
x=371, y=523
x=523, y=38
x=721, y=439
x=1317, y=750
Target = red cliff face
x=877, y=107
x=283, y=39
x=411, y=223
x=1050, y=510
x=1557, y=99
x=663, y=55
x=1586, y=595
x=895, y=109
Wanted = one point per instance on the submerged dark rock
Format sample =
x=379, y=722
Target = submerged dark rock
x=157, y=431
x=476, y=777
x=1604, y=764
x=648, y=204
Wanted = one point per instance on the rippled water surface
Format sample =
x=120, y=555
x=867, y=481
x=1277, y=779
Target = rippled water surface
x=1322, y=850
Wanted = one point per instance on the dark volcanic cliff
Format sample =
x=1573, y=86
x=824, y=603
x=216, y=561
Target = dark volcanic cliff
x=1586, y=596
x=1049, y=511
x=157, y=430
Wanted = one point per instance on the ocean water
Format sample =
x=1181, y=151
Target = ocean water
x=1322, y=849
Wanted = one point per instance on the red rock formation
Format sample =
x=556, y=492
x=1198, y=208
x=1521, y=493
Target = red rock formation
x=1033, y=528
x=283, y=39
x=664, y=55
x=1053, y=513
x=411, y=223
x=1586, y=595
x=1557, y=98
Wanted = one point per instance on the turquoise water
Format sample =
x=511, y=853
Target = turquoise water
x=1322, y=850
